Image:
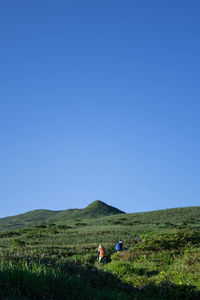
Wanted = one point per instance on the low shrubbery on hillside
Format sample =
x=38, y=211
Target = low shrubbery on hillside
x=169, y=241
x=58, y=261
x=172, y=258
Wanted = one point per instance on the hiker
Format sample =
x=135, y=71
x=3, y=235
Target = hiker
x=119, y=246
x=137, y=238
x=101, y=254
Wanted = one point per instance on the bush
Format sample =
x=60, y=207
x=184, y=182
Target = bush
x=170, y=241
x=8, y=234
x=18, y=243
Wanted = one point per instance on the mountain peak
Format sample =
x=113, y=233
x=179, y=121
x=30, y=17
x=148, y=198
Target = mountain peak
x=100, y=208
x=97, y=203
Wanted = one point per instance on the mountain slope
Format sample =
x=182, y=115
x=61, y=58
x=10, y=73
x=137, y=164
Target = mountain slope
x=93, y=210
x=99, y=212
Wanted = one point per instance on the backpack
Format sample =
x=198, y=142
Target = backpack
x=121, y=245
x=117, y=247
x=102, y=252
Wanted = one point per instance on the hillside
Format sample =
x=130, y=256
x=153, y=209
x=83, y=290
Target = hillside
x=103, y=213
x=58, y=255
x=60, y=258
x=95, y=209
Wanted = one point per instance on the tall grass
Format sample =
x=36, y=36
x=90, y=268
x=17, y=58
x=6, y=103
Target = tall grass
x=58, y=261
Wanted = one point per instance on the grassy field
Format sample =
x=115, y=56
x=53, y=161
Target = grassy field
x=58, y=260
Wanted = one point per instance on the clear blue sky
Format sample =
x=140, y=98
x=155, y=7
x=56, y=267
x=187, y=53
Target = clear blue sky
x=99, y=100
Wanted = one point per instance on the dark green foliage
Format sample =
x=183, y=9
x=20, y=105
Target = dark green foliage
x=170, y=241
x=18, y=243
x=80, y=224
x=59, y=227
x=9, y=234
x=72, y=281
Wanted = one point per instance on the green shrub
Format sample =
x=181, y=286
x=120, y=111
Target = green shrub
x=18, y=243
x=170, y=241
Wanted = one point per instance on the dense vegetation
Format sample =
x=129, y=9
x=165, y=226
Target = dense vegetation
x=58, y=260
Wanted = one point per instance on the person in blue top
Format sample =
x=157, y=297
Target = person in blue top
x=119, y=246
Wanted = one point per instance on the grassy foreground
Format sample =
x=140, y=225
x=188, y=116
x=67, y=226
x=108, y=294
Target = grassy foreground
x=58, y=261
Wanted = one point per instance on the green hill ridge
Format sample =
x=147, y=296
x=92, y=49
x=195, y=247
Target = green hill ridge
x=101, y=213
x=95, y=209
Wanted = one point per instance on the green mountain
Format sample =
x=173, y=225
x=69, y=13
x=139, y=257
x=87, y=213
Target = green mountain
x=99, y=208
x=94, y=210
x=100, y=213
